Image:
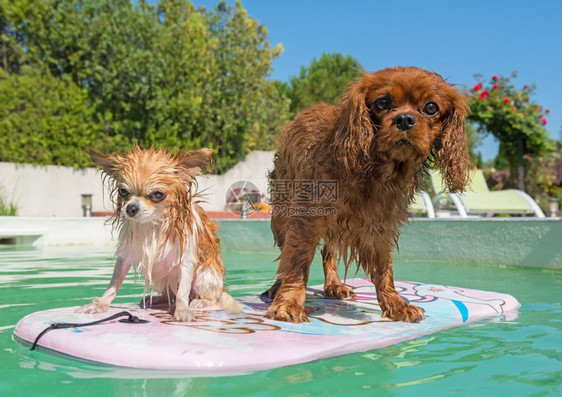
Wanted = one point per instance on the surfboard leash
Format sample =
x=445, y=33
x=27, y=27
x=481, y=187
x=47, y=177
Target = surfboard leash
x=130, y=320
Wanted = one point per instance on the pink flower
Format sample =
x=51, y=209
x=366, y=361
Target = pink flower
x=484, y=94
x=496, y=86
x=477, y=87
x=495, y=77
x=506, y=100
x=543, y=121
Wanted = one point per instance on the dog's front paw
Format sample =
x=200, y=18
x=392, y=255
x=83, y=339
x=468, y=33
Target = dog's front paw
x=201, y=303
x=406, y=313
x=97, y=306
x=291, y=313
x=182, y=314
x=338, y=291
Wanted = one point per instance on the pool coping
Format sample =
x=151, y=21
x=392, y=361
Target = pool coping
x=528, y=242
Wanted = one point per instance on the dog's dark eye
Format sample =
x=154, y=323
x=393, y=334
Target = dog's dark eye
x=430, y=108
x=382, y=104
x=156, y=197
x=123, y=193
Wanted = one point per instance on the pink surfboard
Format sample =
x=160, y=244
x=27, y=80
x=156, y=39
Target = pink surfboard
x=216, y=342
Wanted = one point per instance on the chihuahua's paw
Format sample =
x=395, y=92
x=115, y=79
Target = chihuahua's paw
x=182, y=314
x=201, y=303
x=97, y=306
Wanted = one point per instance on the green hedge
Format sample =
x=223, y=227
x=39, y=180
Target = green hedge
x=46, y=120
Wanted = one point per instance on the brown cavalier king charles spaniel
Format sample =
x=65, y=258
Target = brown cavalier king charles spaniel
x=346, y=174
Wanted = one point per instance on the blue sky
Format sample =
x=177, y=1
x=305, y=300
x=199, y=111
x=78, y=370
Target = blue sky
x=456, y=39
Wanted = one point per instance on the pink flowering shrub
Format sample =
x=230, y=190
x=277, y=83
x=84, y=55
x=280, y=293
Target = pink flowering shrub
x=507, y=112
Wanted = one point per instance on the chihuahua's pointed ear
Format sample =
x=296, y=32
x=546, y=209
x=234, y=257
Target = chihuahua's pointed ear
x=109, y=164
x=196, y=160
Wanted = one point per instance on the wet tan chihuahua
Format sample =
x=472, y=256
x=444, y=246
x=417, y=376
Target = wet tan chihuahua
x=163, y=231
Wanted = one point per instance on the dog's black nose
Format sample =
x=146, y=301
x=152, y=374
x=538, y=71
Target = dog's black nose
x=132, y=209
x=404, y=121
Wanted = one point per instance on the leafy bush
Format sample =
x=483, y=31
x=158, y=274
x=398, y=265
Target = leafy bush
x=7, y=208
x=46, y=120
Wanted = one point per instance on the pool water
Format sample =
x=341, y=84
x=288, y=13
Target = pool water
x=515, y=357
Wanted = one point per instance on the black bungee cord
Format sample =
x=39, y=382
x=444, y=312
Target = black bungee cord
x=130, y=320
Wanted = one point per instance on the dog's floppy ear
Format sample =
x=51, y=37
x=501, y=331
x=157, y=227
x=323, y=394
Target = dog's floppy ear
x=354, y=130
x=195, y=161
x=451, y=156
x=111, y=165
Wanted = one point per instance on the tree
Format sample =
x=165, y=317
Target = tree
x=242, y=110
x=324, y=80
x=499, y=108
x=16, y=16
x=109, y=47
x=157, y=75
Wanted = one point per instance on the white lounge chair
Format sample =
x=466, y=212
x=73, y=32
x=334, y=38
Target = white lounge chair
x=479, y=200
x=422, y=205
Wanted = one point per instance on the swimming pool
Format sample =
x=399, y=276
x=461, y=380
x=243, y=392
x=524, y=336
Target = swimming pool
x=519, y=356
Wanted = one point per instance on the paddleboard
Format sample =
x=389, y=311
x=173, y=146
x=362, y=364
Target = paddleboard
x=217, y=342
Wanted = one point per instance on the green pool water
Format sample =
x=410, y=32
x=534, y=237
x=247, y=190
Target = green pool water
x=515, y=357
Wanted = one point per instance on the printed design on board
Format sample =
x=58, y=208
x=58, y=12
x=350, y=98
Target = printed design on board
x=457, y=295
x=336, y=315
x=425, y=293
x=361, y=310
x=219, y=322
